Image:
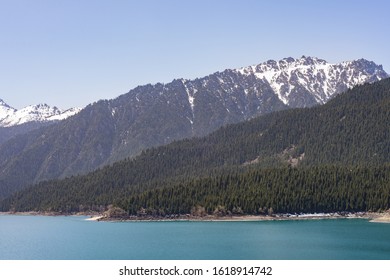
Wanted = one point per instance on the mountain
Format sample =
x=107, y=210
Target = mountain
x=34, y=113
x=333, y=157
x=14, y=122
x=152, y=115
x=309, y=81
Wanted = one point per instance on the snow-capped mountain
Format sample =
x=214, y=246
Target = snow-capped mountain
x=36, y=113
x=313, y=79
x=239, y=94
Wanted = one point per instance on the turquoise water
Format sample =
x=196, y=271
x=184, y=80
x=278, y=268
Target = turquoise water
x=38, y=237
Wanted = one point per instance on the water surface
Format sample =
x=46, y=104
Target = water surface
x=40, y=237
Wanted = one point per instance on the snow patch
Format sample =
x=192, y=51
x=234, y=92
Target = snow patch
x=190, y=96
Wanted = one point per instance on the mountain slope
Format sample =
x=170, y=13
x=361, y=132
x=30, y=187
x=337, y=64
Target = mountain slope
x=153, y=115
x=346, y=137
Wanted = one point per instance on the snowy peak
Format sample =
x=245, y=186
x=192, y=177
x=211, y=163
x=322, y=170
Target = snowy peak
x=364, y=71
x=272, y=66
x=63, y=114
x=295, y=80
x=34, y=113
x=38, y=112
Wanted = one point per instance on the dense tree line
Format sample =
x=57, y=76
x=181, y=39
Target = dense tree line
x=265, y=191
x=250, y=191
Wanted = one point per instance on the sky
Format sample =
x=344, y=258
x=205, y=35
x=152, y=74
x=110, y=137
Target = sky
x=70, y=53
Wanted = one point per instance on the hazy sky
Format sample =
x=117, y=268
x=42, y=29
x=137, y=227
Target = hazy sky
x=73, y=52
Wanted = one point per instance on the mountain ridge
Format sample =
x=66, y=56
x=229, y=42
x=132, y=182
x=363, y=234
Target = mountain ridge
x=152, y=115
x=294, y=70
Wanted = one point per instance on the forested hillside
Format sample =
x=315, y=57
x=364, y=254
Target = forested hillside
x=328, y=158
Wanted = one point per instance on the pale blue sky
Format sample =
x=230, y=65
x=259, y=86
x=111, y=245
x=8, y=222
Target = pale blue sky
x=73, y=52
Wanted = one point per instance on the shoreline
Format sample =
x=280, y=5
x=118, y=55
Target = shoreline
x=381, y=218
x=374, y=217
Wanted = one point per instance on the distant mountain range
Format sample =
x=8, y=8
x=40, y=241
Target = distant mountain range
x=153, y=115
x=10, y=116
x=14, y=122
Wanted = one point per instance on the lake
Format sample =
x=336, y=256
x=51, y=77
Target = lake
x=72, y=237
